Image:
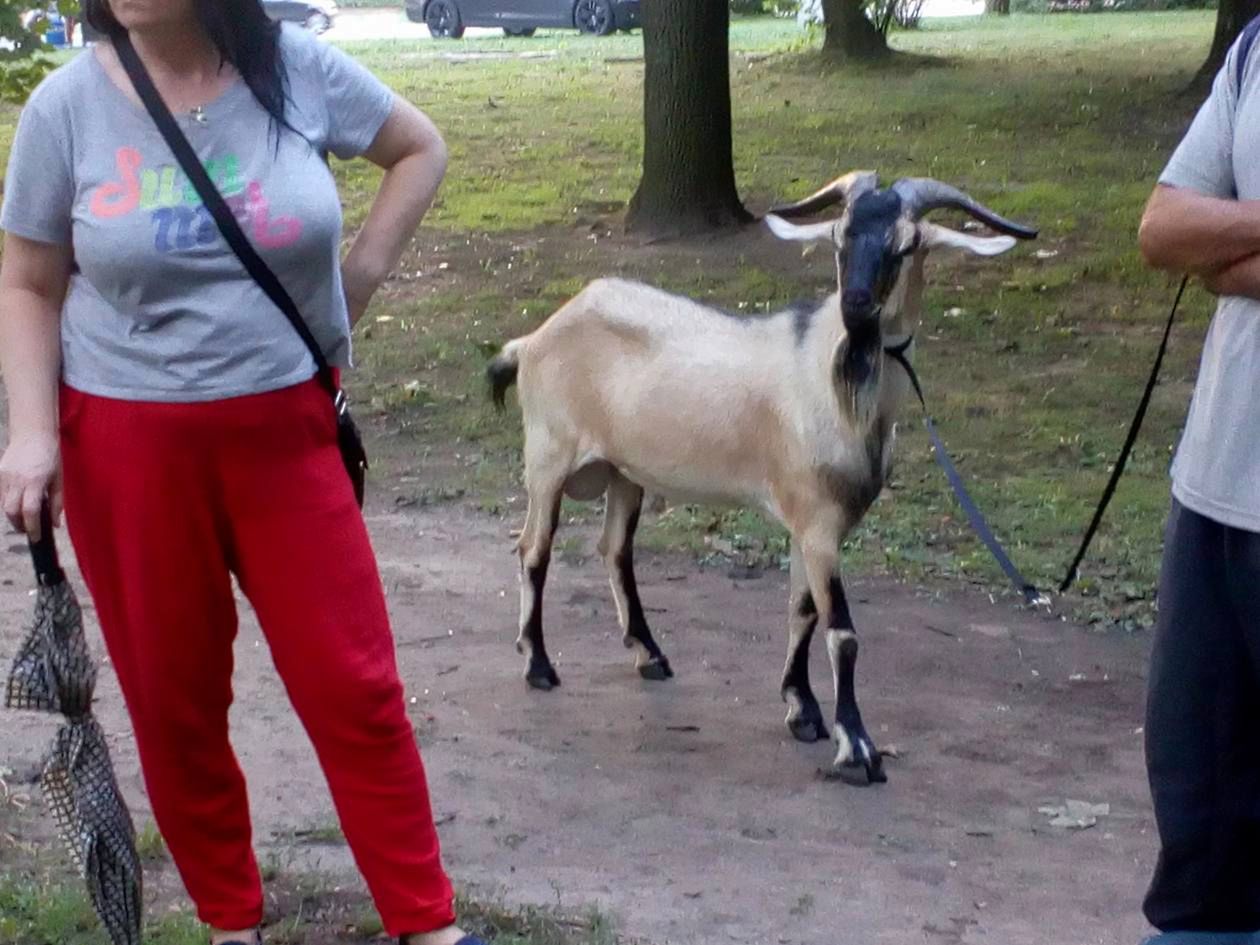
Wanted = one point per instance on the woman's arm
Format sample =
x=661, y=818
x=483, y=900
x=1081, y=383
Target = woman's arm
x=1186, y=231
x=33, y=281
x=413, y=154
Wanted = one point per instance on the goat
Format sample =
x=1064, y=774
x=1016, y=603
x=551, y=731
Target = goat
x=627, y=388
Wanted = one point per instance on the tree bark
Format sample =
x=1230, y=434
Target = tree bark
x=1231, y=17
x=850, y=34
x=688, y=182
x=1000, y=7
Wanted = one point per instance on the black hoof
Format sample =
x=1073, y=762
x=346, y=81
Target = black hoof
x=542, y=678
x=658, y=670
x=859, y=773
x=807, y=730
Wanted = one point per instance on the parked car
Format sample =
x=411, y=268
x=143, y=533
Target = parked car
x=316, y=15
x=447, y=19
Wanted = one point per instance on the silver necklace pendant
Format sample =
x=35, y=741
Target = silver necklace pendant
x=198, y=115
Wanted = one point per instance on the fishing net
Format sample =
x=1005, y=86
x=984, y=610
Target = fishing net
x=79, y=786
x=54, y=672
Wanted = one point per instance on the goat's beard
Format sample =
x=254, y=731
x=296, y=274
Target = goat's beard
x=858, y=363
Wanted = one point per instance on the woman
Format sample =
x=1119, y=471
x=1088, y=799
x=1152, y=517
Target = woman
x=157, y=393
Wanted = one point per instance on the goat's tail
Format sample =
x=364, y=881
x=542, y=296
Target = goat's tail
x=502, y=371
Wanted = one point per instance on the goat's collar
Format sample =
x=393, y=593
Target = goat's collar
x=898, y=353
x=898, y=349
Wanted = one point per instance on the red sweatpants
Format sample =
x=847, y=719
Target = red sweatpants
x=164, y=503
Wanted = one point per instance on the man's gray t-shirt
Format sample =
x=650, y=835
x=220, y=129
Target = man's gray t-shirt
x=158, y=307
x=1217, y=468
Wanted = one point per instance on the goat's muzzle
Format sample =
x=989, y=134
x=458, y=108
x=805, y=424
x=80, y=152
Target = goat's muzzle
x=856, y=303
x=861, y=316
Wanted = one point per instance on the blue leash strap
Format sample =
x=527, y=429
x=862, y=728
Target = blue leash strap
x=1027, y=590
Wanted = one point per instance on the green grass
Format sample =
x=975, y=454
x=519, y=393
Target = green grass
x=56, y=911
x=48, y=911
x=315, y=834
x=1061, y=120
x=149, y=844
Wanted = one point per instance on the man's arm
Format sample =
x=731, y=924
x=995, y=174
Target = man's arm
x=1186, y=231
x=1242, y=278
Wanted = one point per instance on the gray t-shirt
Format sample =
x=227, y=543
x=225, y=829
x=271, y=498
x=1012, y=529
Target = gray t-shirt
x=159, y=308
x=1217, y=468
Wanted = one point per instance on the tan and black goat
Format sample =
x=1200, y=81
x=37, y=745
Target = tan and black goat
x=628, y=388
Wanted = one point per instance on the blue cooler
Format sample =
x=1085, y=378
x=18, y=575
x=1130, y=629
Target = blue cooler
x=56, y=35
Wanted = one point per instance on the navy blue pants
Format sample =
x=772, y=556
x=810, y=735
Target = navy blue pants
x=1203, y=734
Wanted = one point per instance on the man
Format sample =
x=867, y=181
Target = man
x=1203, y=710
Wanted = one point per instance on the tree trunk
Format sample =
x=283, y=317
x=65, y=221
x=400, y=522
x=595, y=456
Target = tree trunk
x=850, y=33
x=1231, y=17
x=688, y=182
x=1000, y=7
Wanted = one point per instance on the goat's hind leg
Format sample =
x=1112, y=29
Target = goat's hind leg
x=804, y=717
x=541, y=521
x=621, y=520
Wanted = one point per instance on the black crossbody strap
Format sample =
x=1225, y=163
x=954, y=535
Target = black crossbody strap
x=214, y=202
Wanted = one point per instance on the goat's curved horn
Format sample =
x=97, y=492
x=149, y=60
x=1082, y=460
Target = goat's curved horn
x=841, y=190
x=922, y=195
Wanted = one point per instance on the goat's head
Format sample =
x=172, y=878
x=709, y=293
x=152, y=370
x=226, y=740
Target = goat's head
x=879, y=229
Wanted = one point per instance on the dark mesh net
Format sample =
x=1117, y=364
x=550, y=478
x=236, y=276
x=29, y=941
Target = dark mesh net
x=54, y=672
x=79, y=786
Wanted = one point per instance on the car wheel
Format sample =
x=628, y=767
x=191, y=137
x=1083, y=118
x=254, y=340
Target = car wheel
x=442, y=19
x=318, y=22
x=594, y=17
x=508, y=31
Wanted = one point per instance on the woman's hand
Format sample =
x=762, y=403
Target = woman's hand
x=30, y=470
x=413, y=154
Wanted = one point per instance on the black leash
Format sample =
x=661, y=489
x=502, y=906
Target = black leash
x=1128, y=443
x=1026, y=589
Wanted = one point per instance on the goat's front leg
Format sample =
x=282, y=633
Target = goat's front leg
x=804, y=717
x=857, y=760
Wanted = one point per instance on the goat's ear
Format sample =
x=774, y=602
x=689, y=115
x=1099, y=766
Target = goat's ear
x=935, y=235
x=803, y=234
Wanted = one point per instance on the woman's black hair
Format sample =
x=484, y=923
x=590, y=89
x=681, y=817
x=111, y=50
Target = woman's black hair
x=244, y=36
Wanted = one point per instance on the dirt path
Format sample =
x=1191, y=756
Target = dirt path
x=682, y=808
